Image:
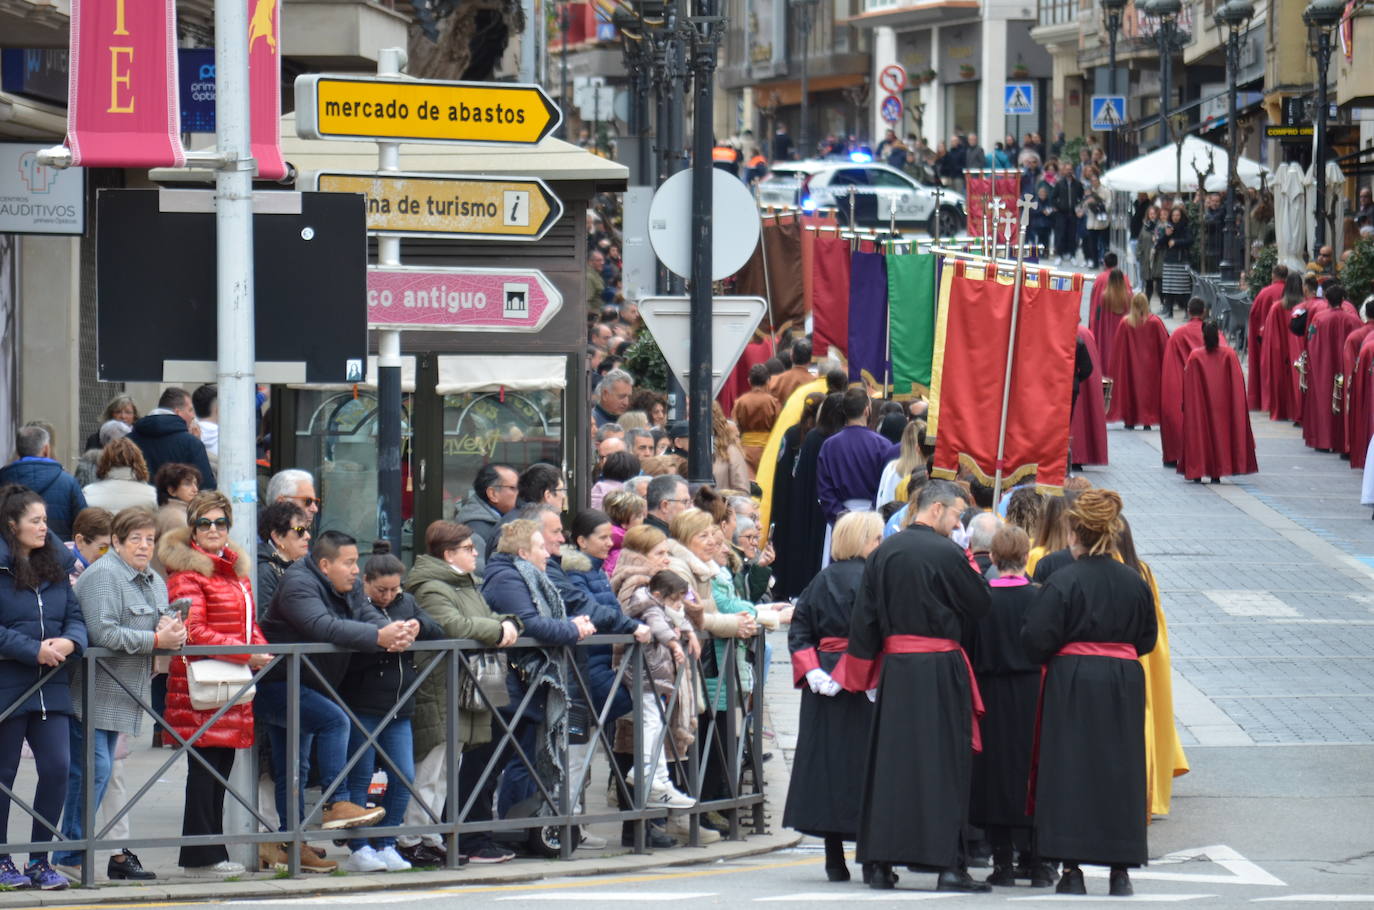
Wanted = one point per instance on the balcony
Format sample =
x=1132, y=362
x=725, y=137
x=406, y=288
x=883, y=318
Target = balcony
x=340, y=34
x=35, y=23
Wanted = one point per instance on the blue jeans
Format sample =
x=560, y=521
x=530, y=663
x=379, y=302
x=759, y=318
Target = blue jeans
x=74, y=808
x=323, y=724
x=395, y=740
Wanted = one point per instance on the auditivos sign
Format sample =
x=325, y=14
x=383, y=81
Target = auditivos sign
x=460, y=299
x=122, y=110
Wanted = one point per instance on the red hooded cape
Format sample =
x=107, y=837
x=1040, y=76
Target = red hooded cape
x=1327, y=330
x=1256, y=394
x=1360, y=403
x=1103, y=323
x=1353, y=342
x=1217, y=440
x=1088, y=430
x=1137, y=360
x=1282, y=396
x=1185, y=339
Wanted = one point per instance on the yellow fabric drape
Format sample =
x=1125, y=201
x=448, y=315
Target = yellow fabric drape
x=768, y=464
x=1164, y=756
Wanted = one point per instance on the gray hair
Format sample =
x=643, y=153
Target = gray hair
x=981, y=529
x=284, y=484
x=743, y=523
x=639, y=485
x=661, y=488
x=632, y=436
x=31, y=440
x=740, y=503
x=607, y=430
x=944, y=492
x=611, y=378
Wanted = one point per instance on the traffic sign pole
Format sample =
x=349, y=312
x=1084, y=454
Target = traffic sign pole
x=699, y=452
x=390, y=61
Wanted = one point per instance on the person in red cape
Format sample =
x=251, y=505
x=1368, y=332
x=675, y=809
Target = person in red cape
x=737, y=385
x=1108, y=309
x=1281, y=394
x=1217, y=440
x=1361, y=404
x=1353, y=342
x=1328, y=325
x=1088, y=429
x=1137, y=360
x=1256, y=393
x=1185, y=339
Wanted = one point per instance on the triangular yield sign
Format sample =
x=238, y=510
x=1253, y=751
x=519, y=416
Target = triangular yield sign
x=733, y=320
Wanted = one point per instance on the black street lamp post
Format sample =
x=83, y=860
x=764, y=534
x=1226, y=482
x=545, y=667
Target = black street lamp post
x=1233, y=17
x=1167, y=36
x=805, y=21
x=1113, y=10
x=1322, y=15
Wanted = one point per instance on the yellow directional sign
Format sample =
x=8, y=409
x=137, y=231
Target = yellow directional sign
x=427, y=205
x=412, y=110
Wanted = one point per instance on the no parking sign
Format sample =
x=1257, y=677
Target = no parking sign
x=891, y=109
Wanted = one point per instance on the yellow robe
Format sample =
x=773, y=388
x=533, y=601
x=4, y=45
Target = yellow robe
x=768, y=464
x=1164, y=757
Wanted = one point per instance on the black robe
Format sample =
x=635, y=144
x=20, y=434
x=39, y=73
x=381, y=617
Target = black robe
x=806, y=521
x=827, y=771
x=783, y=536
x=917, y=770
x=1091, y=798
x=1051, y=563
x=1010, y=684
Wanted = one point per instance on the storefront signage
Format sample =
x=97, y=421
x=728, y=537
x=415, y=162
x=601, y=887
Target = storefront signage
x=123, y=108
x=196, y=75
x=1289, y=133
x=460, y=299
x=35, y=72
x=475, y=208
x=409, y=110
x=36, y=199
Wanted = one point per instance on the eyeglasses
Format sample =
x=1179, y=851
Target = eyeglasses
x=684, y=501
x=307, y=501
x=299, y=530
x=205, y=524
x=469, y=547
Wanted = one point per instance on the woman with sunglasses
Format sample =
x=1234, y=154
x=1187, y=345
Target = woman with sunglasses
x=285, y=530
x=90, y=538
x=208, y=569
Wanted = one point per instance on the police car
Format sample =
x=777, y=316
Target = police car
x=876, y=187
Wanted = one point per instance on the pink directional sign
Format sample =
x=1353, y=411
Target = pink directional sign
x=459, y=299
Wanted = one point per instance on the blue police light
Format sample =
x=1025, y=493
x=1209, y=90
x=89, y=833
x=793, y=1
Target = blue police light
x=808, y=204
x=860, y=157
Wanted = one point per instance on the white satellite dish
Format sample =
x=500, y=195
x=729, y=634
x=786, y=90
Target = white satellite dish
x=734, y=224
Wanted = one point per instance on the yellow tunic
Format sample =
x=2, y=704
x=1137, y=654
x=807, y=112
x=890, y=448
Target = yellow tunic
x=1164, y=757
x=768, y=464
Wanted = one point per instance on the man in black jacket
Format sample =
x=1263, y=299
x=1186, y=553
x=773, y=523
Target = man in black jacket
x=1068, y=195
x=667, y=498
x=164, y=436
x=320, y=600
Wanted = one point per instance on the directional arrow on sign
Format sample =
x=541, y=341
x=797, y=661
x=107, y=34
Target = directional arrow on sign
x=470, y=207
x=414, y=110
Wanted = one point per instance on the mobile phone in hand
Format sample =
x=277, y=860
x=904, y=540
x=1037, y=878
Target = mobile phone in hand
x=182, y=605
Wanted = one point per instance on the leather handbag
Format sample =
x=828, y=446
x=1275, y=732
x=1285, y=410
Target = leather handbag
x=213, y=683
x=483, y=686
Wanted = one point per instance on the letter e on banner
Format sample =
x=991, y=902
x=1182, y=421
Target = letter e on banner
x=123, y=109
x=264, y=85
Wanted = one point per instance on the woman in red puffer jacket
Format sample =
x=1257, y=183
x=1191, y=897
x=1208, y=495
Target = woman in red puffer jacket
x=210, y=571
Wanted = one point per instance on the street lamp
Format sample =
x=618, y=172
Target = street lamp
x=1322, y=15
x=1166, y=35
x=805, y=10
x=1233, y=17
x=1113, y=9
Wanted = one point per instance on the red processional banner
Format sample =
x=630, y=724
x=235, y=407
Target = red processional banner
x=264, y=86
x=980, y=189
x=122, y=106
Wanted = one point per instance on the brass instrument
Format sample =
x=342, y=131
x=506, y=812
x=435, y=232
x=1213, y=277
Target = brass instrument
x=1107, y=385
x=1301, y=366
x=1338, y=394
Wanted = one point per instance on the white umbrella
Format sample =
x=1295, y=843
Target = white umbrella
x=1171, y=170
x=1290, y=222
x=1335, y=206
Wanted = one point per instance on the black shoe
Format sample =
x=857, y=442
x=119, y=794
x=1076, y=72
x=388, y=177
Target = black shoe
x=1071, y=883
x=1042, y=875
x=716, y=822
x=1146, y=427
x=837, y=873
x=128, y=868
x=1120, y=884
x=1002, y=877
x=654, y=839
x=1130, y=426
x=1076, y=466
x=960, y=880
x=422, y=855
x=879, y=876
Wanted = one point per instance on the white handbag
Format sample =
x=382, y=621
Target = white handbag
x=212, y=683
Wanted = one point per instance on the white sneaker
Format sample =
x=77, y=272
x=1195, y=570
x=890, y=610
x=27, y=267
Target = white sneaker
x=671, y=797
x=393, y=861
x=679, y=826
x=364, y=859
x=221, y=869
x=591, y=841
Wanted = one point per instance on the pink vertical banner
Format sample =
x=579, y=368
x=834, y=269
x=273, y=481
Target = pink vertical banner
x=122, y=106
x=264, y=86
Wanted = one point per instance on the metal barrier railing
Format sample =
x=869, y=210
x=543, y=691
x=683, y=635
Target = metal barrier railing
x=733, y=736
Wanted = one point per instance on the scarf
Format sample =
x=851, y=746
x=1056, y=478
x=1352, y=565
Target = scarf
x=549, y=672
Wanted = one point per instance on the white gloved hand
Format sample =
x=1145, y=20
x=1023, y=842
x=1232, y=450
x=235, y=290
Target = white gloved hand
x=872, y=695
x=820, y=682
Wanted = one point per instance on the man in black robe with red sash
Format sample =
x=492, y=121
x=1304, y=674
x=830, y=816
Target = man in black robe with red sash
x=919, y=599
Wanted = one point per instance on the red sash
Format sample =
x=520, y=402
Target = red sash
x=920, y=644
x=832, y=644
x=806, y=658
x=1117, y=649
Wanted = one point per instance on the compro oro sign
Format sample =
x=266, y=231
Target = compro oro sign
x=459, y=299
x=474, y=208
x=411, y=110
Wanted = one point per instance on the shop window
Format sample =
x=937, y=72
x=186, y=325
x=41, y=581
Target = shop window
x=515, y=428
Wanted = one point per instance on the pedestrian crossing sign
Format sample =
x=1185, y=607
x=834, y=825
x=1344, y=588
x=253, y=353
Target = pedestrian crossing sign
x=1108, y=112
x=1020, y=99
